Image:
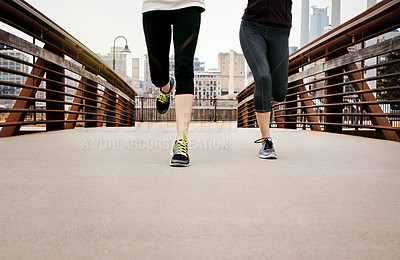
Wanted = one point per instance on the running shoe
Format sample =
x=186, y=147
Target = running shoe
x=164, y=99
x=267, y=150
x=180, y=157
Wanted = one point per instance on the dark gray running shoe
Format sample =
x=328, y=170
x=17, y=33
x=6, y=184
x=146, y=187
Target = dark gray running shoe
x=267, y=150
x=164, y=99
x=180, y=154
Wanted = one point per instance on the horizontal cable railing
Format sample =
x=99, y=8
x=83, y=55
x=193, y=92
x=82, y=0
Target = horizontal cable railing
x=203, y=110
x=55, y=81
x=346, y=81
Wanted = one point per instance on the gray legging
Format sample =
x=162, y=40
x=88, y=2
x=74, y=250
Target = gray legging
x=266, y=49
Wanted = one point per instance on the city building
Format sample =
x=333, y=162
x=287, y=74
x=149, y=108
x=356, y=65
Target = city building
x=319, y=20
x=149, y=90
x=70, y=82
x=148, y=86
x=141, y=87
x=198, y=65
x=233, y=76
x=207, y=84
x=10, y=77
x=392, y=34
x=305, y=23
x=121, y=66
x=250, y=77
x=335, y=13
x=135, y=75
x=120, y=60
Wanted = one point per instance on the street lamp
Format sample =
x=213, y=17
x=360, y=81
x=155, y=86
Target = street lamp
x=126, y=49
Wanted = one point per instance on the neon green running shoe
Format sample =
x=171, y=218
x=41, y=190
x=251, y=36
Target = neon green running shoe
x=180, y=152
x=164, y=99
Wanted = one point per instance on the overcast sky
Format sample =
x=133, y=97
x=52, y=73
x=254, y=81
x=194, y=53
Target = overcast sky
x=96, y=23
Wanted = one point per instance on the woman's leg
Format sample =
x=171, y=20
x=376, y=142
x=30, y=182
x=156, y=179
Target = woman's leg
x=255, y=50
x=186, y=26
x=263, y=120
x=278, y=60
x=278, y=57
x=183, y=110
x=157, y=31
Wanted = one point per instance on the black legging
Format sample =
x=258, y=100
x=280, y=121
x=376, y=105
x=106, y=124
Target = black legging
x=266, y=49
x=157, y=29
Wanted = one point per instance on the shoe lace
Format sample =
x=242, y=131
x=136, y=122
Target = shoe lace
x=266, y=143
x=163, y=98
x=259, y=141
x=181, y=146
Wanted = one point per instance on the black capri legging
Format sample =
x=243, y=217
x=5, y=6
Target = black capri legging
x=266, y=49
x=157, y=29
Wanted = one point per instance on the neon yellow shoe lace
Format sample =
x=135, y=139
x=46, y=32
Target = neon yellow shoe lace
x=163, y=98
x=181, y=146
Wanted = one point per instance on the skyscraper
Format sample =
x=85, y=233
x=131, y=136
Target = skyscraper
x=335, y=13
x=135, y=75
x=319, y=20
x=147, y=87
x=305, y=23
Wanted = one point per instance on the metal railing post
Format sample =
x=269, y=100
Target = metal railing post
x=141, y=109
x=215, y=110
x=56, y=84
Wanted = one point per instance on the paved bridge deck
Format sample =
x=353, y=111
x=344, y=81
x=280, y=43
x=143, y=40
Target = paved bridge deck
x=110, y=194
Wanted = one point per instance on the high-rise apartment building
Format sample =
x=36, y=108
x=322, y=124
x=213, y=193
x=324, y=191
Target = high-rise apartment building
x=232, y=67
x=10, y=77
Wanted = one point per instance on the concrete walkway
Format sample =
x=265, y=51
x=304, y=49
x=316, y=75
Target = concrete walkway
x=109, y=194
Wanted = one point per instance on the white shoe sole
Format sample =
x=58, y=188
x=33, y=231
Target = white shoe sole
x=271, y=156
x=179, y=164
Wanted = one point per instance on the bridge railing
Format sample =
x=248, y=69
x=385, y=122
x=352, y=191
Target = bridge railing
x=215, y=109
x=346, y=81
x=54, y=81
